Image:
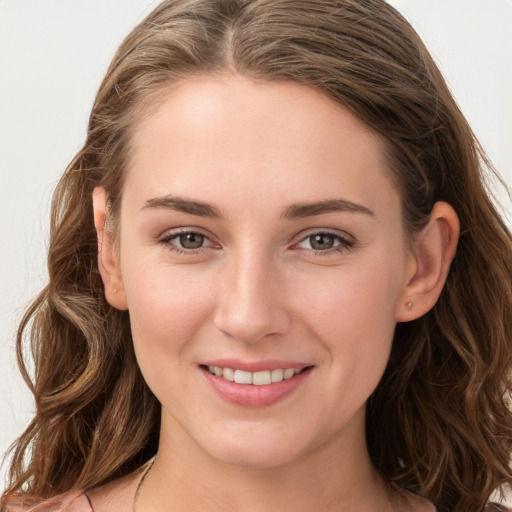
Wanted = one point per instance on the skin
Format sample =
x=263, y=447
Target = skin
x=258, y=288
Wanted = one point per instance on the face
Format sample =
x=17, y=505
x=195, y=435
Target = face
x=261, y=241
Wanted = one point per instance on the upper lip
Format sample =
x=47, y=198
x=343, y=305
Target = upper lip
x=255, y=366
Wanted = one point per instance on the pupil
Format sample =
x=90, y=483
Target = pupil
x=191, y=240
x=322, y=241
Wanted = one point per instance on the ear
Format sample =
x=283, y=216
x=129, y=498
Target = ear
x=108, y=258
x=433, y=251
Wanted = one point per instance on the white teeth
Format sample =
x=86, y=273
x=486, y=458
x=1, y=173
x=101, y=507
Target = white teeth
x=261, y=378
x=277, y=375
x=242, y=377
x=288, y=373
x=229, y=374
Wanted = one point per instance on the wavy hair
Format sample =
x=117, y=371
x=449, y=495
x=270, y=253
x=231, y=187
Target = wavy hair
x=438, y=424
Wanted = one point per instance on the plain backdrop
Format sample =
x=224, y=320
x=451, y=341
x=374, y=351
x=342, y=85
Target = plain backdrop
x=53, y=54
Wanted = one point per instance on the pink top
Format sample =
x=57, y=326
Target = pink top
x=90, y=509
x=83, y=504
x=80, y=503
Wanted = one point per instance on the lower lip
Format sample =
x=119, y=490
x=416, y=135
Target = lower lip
x=250, y=395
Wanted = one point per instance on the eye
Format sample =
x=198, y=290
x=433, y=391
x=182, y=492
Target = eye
x=190, y=240
x=324, y=242
x=185, y=241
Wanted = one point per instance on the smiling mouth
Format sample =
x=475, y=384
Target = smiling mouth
x=261, y=378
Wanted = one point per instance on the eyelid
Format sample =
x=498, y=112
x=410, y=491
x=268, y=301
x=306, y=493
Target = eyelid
x=346, y=242
x=172, y=232
x=324, y=231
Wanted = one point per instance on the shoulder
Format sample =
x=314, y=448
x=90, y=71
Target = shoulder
x=115, y=496
x=76, y=503
x=409, y=502
x=413, y=503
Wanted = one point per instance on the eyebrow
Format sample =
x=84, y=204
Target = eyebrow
x=181, y=204
x=294, y=211
x=302, y=210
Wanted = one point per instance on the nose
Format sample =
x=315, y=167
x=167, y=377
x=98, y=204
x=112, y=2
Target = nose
x=251, y=304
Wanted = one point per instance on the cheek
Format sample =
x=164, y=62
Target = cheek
x=352, y=313
x=167, y=307
x=357, y=297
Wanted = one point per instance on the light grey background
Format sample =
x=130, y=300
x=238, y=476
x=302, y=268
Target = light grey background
x=53, y=54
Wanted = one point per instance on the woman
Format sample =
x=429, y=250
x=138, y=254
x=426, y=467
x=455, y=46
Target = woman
x=277, y=280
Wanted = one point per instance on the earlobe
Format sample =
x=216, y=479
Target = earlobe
x=108, y=259
x=433, y=252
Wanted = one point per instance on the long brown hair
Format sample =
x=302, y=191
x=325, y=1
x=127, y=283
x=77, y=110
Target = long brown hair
x=438, y=423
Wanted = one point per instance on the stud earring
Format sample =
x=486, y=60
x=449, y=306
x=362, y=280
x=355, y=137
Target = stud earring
x=409, y=305
x=114, y=290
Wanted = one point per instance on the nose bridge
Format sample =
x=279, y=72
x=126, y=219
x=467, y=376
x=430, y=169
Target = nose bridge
x=251, y=300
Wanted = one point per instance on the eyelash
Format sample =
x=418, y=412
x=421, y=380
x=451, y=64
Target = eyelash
x=344, y=243
x=167, y=241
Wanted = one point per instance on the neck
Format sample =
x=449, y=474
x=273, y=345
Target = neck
x=334, y=476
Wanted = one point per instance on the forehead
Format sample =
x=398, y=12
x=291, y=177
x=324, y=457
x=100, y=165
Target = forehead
x=210, y=134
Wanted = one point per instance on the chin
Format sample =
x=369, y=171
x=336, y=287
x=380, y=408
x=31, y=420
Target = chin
x=257, y=451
